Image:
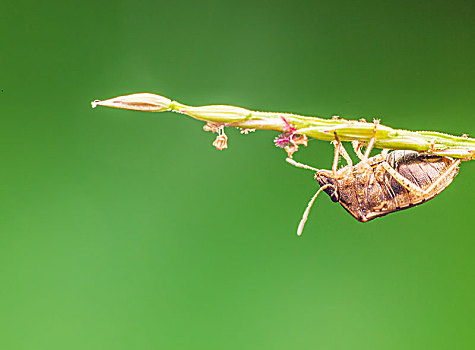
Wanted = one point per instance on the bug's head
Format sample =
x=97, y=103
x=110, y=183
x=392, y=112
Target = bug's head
x=325, y=178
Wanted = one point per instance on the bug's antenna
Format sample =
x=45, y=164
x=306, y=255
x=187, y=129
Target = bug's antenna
x=309, y=205
x=300, y=165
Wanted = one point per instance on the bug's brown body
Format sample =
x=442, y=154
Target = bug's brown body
x=383, y=184
x=388, y=182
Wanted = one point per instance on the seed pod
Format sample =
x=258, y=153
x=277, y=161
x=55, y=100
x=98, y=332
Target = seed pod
x=144, y=102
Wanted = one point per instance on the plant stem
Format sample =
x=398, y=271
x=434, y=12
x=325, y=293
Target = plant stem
x=317, y=128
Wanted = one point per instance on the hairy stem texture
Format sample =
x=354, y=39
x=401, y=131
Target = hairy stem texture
x=317, y=128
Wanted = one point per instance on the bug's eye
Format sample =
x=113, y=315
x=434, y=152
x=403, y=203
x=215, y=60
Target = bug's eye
x=334, y=196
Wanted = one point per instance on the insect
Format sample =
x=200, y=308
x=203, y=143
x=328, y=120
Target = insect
x=383, y=184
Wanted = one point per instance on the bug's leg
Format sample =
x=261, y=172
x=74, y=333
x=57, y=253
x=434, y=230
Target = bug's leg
x=345, y=155
x=357, y=145
x=449, y=170
x=300, y=165
x=432, y=146
x=415, y=188
x=336, y=157
x=410, y=186
x=357, y=148
x=339, y=150
x=371, y=142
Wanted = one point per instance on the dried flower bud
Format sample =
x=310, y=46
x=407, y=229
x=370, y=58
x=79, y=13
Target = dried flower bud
x=213, y=127
x=221, y=142
x=291, y=150
x=301, y=140
x=144, y=102
x=290, y=143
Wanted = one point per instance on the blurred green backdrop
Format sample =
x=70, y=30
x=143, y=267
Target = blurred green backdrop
x=127, y=230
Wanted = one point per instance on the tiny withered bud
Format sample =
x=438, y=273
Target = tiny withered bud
x=291, y=150
x=221, y=141
x=291, y=142
x=296, y=141
x=213, y=127
x=143, y=102
x=300, y=140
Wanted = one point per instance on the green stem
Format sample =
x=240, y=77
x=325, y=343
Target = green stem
x=317, y=128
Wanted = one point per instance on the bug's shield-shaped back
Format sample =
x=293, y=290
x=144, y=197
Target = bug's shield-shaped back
x=382, y=186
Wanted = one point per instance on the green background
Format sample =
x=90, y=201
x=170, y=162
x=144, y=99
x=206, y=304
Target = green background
x=128, y=230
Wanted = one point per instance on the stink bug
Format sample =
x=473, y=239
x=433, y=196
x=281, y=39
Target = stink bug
x=383, y=184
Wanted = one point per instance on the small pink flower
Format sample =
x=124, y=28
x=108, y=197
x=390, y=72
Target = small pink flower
x=283, y=140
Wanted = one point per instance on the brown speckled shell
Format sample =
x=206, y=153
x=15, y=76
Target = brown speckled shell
x=368, y=191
